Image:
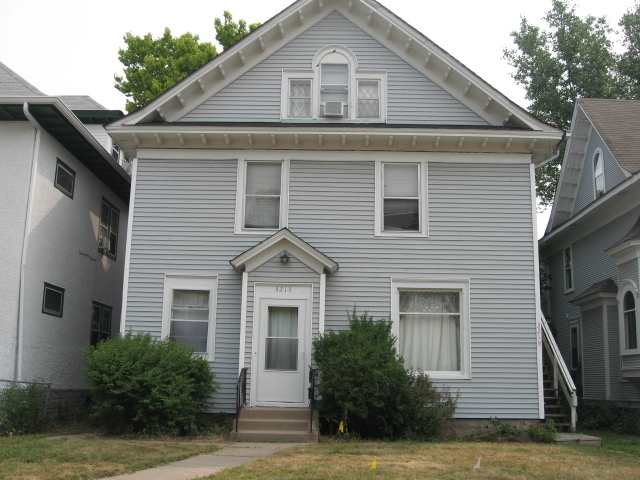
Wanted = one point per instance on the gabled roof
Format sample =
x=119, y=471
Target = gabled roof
x=155, y=123
x=283, y=240
x=604, y=289
x=12, y=84
x=618, y=123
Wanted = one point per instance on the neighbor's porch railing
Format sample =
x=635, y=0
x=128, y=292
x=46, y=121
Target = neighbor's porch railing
x=241, y=393
x=561, y=375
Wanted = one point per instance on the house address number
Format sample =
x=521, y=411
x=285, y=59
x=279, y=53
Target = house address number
x=283, y=289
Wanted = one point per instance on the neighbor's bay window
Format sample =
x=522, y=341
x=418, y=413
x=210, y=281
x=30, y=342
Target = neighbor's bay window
x=189, y=311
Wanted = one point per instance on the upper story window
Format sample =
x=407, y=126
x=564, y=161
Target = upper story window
x=567, y=255
x=630, y=331
x=334, y=88
x=598, y=173
x=401, y=199
x=262, y=196
x=108, y=233
x=65, y=178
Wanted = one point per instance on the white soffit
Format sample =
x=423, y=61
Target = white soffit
x=374, y=19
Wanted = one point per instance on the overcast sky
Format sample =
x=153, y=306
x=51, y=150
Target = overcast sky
x=69, y=47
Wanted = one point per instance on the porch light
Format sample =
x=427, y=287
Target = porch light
x=284, y=257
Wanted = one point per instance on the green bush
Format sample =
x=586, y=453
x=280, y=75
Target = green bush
x=364, y=385
x=608, y=415
x=143, y=385
x=23, y=408
x=543, y=432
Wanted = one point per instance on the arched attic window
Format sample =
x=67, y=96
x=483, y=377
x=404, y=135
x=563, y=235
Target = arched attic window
x=629, y=321
x=334, y=89
x=598, y=173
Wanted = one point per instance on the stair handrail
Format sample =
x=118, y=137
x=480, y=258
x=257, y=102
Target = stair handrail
x=312, y=395
x=561, y=375
x=241, y=393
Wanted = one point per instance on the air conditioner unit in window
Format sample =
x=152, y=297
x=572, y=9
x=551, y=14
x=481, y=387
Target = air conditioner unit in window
x=103, y=244
x=333, y=109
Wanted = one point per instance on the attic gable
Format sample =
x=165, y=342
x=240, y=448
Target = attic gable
x=372, y=18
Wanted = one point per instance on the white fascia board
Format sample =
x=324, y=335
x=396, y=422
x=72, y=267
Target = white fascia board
x=616, y=202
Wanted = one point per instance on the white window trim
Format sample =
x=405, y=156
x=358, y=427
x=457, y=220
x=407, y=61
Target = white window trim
x=439, y=285
x=240, y=197
x=422, y=201
x=313, y=73
x=593, y=171
x=191, y=282
x=564, y=270
x=624, y=287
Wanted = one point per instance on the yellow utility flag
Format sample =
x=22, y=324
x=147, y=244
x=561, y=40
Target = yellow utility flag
x=374, y=465
x=341, y=427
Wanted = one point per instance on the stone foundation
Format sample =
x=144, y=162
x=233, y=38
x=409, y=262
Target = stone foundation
x=65, y=402
x=464, y=427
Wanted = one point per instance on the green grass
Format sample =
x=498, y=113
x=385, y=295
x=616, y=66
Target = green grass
x=618, y=459
x=35, y=458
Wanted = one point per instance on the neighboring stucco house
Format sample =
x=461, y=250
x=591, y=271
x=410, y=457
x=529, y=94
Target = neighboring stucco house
x=63, y=212
x=336, y=157
x=591, y=248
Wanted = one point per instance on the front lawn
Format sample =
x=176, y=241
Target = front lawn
x=618, y=458
x=34, y=458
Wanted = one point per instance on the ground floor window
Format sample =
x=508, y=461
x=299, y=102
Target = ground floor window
x=431, y=323
x=100, y=322
x=574, y=343
x=189, y=311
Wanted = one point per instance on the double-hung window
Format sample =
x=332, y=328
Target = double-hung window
x=567, y=256
x=431, y=322
x=262, y=196
x=100, y=322
x=189, y=311
x=401, y=199
x=108, y=233
x=334, y=90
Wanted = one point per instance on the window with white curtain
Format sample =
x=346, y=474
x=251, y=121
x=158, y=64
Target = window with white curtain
x=431, y=322
x=598, y=173
x=281, y=352
x=262, y=196
x=189, y=311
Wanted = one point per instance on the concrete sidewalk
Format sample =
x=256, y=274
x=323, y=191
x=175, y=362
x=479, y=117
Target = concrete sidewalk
x=204, y=465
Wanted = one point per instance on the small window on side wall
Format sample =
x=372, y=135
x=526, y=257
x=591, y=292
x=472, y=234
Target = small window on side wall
x=568, y=269
x=65, y=178
x=100, y=322
x=598, y=173
x=108, y=232
x=629, y=320
x=52, y=300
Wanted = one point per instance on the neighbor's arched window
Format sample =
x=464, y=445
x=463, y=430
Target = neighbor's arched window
x=598, y=173
x=629, y=319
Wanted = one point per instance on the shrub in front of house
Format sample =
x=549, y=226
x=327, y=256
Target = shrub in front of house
x=148, y=386
x=616, y=417
x=22, y=407
x=365, y=388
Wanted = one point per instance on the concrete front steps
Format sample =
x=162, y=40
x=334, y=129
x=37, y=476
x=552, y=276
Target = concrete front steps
x=270, y=424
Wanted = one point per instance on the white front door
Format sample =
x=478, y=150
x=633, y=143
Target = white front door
x=282, y=343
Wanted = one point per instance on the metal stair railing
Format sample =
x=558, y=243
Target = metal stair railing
x=241, y=393
x=561, y=375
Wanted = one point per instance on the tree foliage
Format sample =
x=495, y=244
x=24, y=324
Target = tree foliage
x=153, y=65
x=229, y=32
x=629, y=63
x=572, y=59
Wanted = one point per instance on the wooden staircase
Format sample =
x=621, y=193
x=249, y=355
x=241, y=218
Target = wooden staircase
x=554, y=408
x=265, y=424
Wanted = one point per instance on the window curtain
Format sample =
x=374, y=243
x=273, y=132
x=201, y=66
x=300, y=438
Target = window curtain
x=262, y=203
x=282, y=339
x=190, y=318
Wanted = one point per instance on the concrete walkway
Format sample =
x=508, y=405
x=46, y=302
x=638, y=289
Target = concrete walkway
x=208, y=464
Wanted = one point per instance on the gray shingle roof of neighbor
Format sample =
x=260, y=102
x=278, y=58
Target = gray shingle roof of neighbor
x=13, y=85
x=81, y=102
x=604, y=286
x=618, y=122
x=633, y=234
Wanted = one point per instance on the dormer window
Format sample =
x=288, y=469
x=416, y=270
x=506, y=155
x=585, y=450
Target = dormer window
x=334, y=89
x=598, y=173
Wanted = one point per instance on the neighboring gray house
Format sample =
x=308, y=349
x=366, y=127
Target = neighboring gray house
x=591, y=248
x=336, y=157
x=63, y=214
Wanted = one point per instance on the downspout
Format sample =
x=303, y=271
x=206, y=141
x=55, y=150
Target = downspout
x=25, y=242
x=550, y=159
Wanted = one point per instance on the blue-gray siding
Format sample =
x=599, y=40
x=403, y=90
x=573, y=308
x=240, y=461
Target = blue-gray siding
x=592, y=340
x=480, y=223
x=613, y=173
x=412, y=98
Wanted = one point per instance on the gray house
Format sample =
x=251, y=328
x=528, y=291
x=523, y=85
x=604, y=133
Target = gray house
x=591, y=248
x=336, y=157
x=63, y=214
